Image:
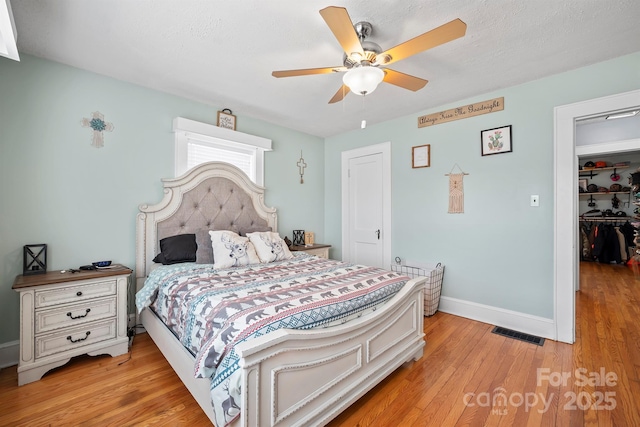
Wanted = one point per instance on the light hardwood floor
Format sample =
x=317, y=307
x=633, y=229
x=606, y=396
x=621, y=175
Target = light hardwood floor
x=464, y=373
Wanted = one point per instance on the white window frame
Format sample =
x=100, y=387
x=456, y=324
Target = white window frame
x=203, y=133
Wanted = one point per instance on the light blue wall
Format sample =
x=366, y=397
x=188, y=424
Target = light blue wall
x=82, y=201
x=57, y=189
x=500, y=251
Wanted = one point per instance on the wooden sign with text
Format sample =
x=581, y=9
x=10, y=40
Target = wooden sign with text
x=484, y=107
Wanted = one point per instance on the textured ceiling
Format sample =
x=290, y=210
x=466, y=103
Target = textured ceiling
x=222, y=53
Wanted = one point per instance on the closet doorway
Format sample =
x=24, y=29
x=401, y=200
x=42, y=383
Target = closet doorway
x=606, y=210
x=605, y=201
x=566, y=260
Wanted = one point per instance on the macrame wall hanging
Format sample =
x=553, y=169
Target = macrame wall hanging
x=456, y=190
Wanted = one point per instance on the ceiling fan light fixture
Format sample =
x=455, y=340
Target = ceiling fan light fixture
x=363, y=80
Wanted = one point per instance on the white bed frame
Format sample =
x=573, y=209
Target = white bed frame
x=289, y=377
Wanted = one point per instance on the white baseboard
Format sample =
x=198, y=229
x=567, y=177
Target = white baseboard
x=522, y=322
x=9, y=353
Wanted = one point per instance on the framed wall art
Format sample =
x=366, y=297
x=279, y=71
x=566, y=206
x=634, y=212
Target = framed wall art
x=496, y=140
x=421, y=156
x=226, y=119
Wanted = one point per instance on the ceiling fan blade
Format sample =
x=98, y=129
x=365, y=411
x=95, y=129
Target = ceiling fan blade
x=404, y=80
x=308, y=71
x=443, y=34
x=338, y=20
x=340, y=94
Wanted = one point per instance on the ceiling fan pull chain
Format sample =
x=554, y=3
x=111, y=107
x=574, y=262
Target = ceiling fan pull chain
x=363, y=124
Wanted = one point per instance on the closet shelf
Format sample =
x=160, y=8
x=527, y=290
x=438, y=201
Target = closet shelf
x=603, y=194
x=605, y=218
x=584, y=173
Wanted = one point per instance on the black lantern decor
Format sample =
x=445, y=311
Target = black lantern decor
x=298, y=237
x=35, y=259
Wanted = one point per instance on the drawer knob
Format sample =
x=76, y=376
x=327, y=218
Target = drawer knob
x=80, y=316
x=79, y=339
x=79, y=293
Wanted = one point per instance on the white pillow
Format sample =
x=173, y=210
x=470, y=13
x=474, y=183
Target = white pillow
x=269, y=246
x=231, y=250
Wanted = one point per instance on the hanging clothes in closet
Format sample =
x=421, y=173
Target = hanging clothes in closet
x=605, y=242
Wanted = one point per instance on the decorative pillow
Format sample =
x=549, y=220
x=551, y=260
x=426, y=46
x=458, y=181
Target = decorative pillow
x=231, y=250
x=204, y=254
x=175, y=249
x=269, y=246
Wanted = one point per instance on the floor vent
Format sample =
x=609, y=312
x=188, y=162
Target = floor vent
x=518, y=335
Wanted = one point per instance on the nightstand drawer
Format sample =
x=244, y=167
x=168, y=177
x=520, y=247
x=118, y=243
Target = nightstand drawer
x=73, y=338
x=48, y=298
x=76, y=314
x=322, y=252
x=319, y=250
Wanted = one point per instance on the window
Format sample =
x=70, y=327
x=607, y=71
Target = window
x=201, y=150
x=198, y=142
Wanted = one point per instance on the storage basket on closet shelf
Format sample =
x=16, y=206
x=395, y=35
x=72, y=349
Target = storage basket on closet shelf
x=432, y=286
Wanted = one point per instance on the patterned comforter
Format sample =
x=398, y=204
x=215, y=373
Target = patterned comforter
x=210, y=311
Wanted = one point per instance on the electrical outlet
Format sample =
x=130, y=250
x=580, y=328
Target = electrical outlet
x=535, y=200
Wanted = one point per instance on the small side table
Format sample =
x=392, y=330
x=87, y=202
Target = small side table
x=318, y=250
x=63, y=315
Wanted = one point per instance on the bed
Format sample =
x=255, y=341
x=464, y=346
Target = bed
x=286, y=376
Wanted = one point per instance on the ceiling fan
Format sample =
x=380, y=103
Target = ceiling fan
x=364, y=60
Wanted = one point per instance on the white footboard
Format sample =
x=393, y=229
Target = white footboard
x=293, y=377
x=296, y=377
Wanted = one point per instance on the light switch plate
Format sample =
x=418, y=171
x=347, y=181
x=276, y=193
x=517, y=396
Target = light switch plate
x=535, y=200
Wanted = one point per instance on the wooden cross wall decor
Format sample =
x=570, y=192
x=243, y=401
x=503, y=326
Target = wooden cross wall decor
x=97, y=123
x=301, y=165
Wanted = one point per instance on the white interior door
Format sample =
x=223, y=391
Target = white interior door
x=365, y=210
x=366, y=207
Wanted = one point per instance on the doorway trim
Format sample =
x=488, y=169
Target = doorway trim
x=566, y=203
x=383, y=148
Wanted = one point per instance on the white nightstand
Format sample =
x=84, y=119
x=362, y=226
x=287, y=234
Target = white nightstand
x=318, y=250
x=68, y=314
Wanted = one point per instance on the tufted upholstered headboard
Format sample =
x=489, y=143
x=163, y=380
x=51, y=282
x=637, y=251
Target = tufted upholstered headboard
x=211, y=196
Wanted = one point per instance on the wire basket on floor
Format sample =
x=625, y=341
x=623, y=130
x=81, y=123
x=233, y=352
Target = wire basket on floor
x=432, y=286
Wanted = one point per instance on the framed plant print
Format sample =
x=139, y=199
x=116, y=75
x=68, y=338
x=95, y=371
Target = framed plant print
x=226, y=119
x=496, y=140
x=421, y=156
